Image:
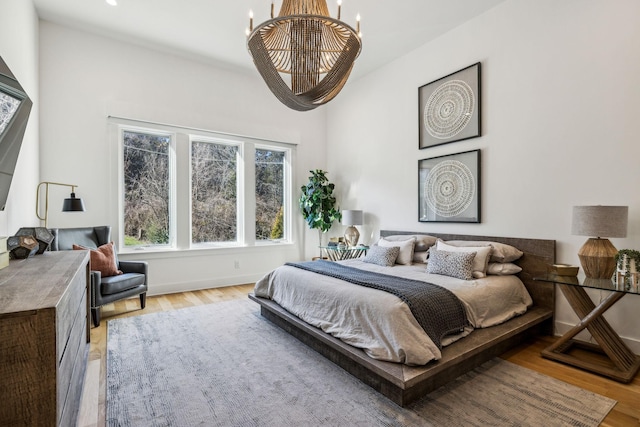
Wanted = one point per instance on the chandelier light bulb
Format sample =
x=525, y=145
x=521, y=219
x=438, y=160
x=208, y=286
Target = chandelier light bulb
x=112, y=2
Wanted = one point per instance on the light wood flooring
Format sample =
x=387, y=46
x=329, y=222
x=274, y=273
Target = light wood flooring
x=92, y=413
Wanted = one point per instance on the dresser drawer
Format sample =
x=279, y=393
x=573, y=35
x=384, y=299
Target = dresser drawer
x=67, y=310
x=73, y=362
x=27, y=369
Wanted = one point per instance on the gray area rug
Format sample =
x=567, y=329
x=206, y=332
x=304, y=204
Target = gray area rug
x=223, y=365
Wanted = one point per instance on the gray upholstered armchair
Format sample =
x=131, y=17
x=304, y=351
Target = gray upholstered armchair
x=104, y=290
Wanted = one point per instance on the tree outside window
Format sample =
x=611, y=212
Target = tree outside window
x=270, y=186
x=214, y=192
x=146, y=188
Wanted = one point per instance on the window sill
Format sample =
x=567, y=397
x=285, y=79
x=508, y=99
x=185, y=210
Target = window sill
x=202, y=250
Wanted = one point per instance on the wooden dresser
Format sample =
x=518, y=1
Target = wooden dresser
x=44, y=338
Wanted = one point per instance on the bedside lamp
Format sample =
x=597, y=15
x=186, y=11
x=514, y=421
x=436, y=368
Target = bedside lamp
x=352, y=218
x=597, y=254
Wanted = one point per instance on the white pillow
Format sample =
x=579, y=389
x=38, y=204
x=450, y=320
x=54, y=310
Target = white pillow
x=501, y=251
x=406, y=249
x=479, y=262
x=503, y=268
x=423, y=241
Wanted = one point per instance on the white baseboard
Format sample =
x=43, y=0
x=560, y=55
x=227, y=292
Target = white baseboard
x=561, y=328
x=218, y=282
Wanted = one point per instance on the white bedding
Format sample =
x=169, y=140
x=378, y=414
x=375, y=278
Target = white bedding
x=379, y=322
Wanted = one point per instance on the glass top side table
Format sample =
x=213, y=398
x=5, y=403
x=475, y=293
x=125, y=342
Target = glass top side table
x=334, y=253
x=620, y=363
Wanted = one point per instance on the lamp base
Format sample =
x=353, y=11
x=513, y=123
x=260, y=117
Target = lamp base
x=597, y=257
x=351, y=235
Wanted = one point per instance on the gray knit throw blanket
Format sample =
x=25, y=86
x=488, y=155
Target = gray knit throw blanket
x=438, y=311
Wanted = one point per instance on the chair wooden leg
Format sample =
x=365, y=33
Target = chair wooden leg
x=95, y=316
x=143, y=300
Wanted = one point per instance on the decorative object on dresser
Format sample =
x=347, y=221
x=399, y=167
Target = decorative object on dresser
x=304, y=56
x=115, y=279
x=450, y=108
x=318, y=204
x=21, y=247
x=70, y=204
x=44, y=339
x=351, y=218
x=41, y=234
x=597, y=255
x=449, y=188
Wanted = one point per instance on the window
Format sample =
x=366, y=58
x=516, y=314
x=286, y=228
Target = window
x=146, y=188
x=270, y=187
x=214, y=188
x=189, y=188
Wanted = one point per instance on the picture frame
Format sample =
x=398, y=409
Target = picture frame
x=449, y=188
x=449, y=108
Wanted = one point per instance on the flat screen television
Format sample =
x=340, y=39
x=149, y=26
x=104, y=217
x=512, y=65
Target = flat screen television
x=15, y=107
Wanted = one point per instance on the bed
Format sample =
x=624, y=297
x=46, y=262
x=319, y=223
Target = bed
x=406, y=382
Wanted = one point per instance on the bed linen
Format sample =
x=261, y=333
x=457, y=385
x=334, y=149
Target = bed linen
x=438, y=311
x=380, y=323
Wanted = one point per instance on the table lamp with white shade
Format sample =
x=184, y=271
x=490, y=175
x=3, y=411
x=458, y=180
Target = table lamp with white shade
x=352, y=218
x=597, y=255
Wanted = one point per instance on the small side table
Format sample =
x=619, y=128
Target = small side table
x=335, y=253
x=621, y=364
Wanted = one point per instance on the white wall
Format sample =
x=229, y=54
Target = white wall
x=85, y=78
x=19, y=50
x=560, y=100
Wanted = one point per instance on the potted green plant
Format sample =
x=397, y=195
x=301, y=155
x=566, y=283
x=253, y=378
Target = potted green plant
x=627, y=262
x=318, y=204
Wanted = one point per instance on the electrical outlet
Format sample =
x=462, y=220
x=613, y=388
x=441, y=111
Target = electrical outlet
x=236, y=264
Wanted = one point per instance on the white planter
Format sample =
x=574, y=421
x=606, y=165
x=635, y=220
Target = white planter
x=627, y=274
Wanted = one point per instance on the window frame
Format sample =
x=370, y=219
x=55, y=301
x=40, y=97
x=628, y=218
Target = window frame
x=239, y=193
x=172, y=187
x=180, y=173
x=287, y=192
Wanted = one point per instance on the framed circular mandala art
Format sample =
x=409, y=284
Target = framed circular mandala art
x=450, y=108
x=449, y=188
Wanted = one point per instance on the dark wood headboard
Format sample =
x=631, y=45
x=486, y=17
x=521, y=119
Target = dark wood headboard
x=538, y=254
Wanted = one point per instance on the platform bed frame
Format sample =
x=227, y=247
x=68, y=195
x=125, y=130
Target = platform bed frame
x=405, y=384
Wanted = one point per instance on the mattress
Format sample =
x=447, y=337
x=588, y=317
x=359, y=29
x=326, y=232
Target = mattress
x=380, y=323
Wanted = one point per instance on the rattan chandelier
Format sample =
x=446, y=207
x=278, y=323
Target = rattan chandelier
x=303, y=54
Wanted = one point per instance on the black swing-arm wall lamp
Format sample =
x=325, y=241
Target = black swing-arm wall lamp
x=71, y=204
